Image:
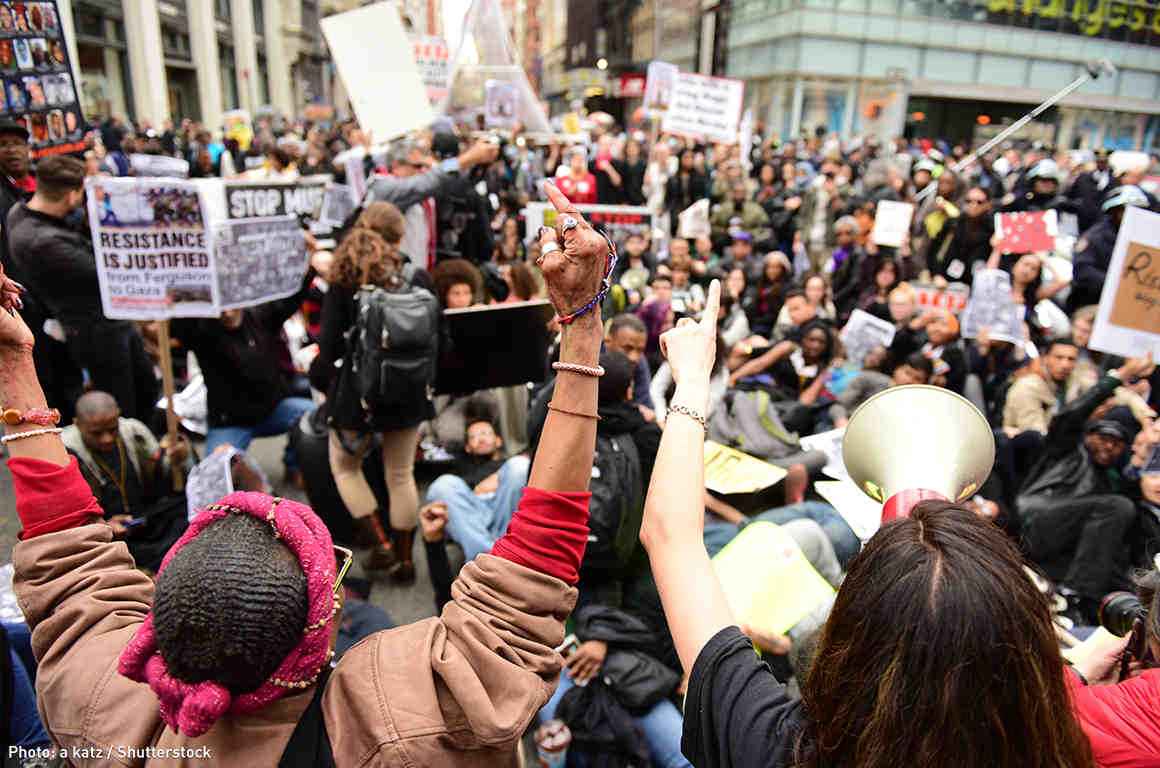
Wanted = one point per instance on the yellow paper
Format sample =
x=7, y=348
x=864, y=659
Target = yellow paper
x=767, y=580
x=728, y=470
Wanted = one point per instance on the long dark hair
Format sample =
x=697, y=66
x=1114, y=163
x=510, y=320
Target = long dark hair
x=939, y=651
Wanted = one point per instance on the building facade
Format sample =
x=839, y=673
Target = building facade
x=153, y=60
x=956, y=69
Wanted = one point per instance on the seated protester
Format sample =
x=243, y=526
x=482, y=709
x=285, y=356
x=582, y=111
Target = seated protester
x=942, y=344
x=1073, y=514
x=763, y=300
x=733, y=325
x=1035, y=399
x=635, y=258
x=963, y=246
x=247, y=394
x=628, y=335
x=739, y=255
x=903, y=306
x=793, y=370
x=739, y=212
x=482, y=492
x=799, y=311
x=816, y=288
x=244, y=610
x=679, y=249
x=657, y=315
x=704, y=257
x=992, y=367
x=845, y=266
x=875, y=298
x=458, y=284
x=916, y=369
x=130, y=474
x=1027, y=286
x=688, y=297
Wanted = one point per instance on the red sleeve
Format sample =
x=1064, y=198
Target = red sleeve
x=1120, y=721
x=548, y=533
x=51, y=498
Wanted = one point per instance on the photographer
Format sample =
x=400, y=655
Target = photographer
x=1119, y=715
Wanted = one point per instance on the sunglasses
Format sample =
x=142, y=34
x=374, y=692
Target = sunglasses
x=975, y=201
x=343, y=558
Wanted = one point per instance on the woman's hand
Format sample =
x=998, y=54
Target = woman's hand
x=691, y=346
x=586, y=661
x=575, y=269
x=15, y=337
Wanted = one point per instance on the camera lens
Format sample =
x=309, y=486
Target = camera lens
x=1118, y=610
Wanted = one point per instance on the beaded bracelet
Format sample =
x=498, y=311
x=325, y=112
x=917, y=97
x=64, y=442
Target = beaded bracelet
x=30, y=433
x=691, y=414
x=583, y=370
x=45, y=417
x=605, y=285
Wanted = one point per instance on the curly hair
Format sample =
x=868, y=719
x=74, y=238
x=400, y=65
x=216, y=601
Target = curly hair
x=234, y=622
x=456, y=272
x=385, y=219
x=365, y=258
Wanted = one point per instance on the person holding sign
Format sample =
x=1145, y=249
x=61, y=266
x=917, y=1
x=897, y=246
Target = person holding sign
x=935, y=623
x=233, y=642
x=1093, y=250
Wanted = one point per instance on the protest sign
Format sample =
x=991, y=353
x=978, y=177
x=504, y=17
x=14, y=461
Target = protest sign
x=338, y=202
x=473, y=361
x=617, y=220
x=158, y=165
x=705, y=106
x=658, y=87
x=375, y=60
x=863, y=333
x=258, y=260
x=1128, y=320
x=829, y=443
x=1026, y=232
x=994, y=308
x=263, y=199
x=891, y=223
x=37, y=88
x=153, y=255
x=693, y=222
x=729, y=471
x=433, y=60
x=210, y=481
x=861, y=513
x=767, y=581
x=501, y=104
x=954, y=297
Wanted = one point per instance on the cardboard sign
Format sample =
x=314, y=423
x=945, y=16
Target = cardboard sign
x=1128, y=320
x=617, y=220
x=159, y=166
x=265, y=199
x=863, y=332
x=433, y=59
x=766, y=579
x=729, y=471
x=659, y=85
x=374, y=59
x=891, y=223
x=993, y=307
x=37, y=88
x=1026, y=232
x=705, y=106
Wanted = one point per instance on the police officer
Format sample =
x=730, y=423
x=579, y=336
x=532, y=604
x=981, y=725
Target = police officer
x=1044, y=192
x=1093, y=251
x=1089, y=190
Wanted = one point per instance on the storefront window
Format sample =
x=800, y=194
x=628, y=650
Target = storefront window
x=228, y=76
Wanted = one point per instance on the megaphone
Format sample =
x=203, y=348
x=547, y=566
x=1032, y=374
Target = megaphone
x=916, y=442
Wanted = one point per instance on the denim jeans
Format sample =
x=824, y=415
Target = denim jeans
x=477, y=521
x=24, y=723
x=845, y=541
x=280, y=421
x=662, y=727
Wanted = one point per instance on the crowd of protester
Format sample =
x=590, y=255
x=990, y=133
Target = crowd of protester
x=789, y=238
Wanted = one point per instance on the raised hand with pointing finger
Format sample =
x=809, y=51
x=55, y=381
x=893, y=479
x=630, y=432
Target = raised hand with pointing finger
x=691, y=349
x=576, y=260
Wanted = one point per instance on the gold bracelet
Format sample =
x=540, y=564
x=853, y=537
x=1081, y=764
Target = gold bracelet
x=30, y=433
x=554, y=407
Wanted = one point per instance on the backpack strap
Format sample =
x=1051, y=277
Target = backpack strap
x=309, y=745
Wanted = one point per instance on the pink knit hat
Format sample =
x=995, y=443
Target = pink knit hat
x=193, y=708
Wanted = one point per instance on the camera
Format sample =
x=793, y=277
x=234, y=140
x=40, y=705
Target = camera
x=1119, y=612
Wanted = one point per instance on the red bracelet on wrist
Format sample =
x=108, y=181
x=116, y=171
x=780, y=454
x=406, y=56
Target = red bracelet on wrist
x=45, y=417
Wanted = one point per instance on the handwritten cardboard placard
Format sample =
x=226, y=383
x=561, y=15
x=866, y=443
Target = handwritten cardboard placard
x=1128, y=320
x=705, y=106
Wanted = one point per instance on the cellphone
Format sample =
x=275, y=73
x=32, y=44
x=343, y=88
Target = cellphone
x=134, y=522
x=570, y=645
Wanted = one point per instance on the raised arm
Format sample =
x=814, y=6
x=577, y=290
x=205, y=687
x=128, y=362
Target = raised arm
x=764, y=362
x=674, y=512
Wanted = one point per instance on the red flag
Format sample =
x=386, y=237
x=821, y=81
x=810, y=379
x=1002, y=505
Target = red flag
x=1026, y=232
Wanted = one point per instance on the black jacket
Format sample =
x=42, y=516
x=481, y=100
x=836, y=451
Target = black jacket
x=1064, y=469
x=243, y=377
x=956, y=249
x=1093, y=255
x=1087, y=194
x=683, y=192
x=54, y=259
x=9, y=197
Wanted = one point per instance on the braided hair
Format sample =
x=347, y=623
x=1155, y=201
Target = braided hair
x=230, y=605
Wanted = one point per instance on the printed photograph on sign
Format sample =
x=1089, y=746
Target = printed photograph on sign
x=500, y=104
x=148, y=206
x=259, y=260
x=658, y=89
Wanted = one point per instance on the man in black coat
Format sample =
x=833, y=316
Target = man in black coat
x=1088, y=191
x=1093, y=251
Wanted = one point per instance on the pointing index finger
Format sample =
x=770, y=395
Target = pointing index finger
x=712, y=305
x=560, y=202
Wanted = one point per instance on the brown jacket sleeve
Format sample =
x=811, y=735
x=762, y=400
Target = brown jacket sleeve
x=83, y=600
x=459, y=690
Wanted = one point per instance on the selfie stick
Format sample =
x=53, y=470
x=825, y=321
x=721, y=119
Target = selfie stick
x=1093, y=70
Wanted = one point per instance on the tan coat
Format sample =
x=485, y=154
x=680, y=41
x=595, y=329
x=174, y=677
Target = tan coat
x=1031, y=402
x=458, y=690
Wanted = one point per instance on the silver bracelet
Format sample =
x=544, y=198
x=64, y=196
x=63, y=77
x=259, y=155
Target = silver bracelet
x=30, y=433
x=691, y=414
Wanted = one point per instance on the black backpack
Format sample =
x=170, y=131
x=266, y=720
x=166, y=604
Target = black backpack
x=616, y=507
x=392, y=350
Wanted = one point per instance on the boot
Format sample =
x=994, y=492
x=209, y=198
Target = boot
x=381, y=559
x=404, y=545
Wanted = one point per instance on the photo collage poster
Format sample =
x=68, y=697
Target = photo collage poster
x=38, y=89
